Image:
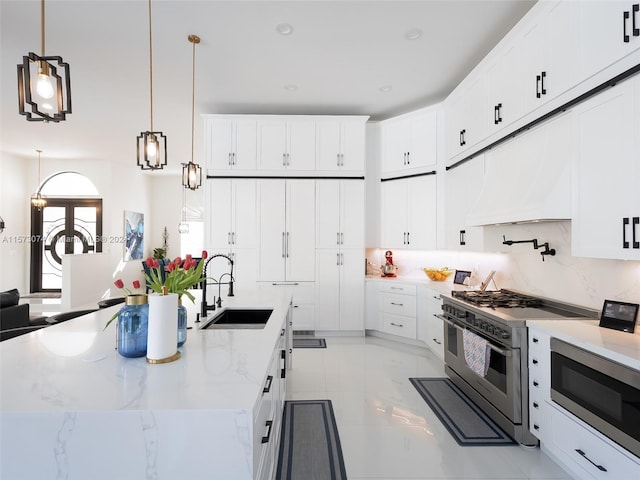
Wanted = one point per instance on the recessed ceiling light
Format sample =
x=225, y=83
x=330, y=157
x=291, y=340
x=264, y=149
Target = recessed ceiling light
x=385, y=88
x=284, y=29
x=291, y=88
x=413, y=34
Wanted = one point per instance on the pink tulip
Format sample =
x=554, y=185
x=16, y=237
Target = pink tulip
x=177, y=261
x=119, y=283
x=155, y=264
x=188, y=257
x=136, y=284
x=204, y=254
x=171, y=267
x=150, y=262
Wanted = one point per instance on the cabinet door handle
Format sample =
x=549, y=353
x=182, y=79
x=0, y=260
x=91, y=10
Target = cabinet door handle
x=282, y=244
x=397, y=304
x=337, y=259
x=233, y=238
x=462, y=234
x=285, y=284
x=464, y=134
x=437, y=341
x=536, y=427
x=584, y=455
x=408, y=238
x=337, y=159
x=538, y=86
x=341, y=238
x=499, y=113
x=534, y=361
x=535, y=405
x=404, y=158
x=636, y=9
x=284, y=159
x=287, y=245
x=625, y=36
x=625, y=222
x=636, y=222
x=268, y=424
x=404, y=238
x=543, y=90
x=461, y=137
x=397, y=324
x=268, y=385
x=338, y=238
x=535, y=384
x=408, y=158
x=229, y=158
x=229, y=238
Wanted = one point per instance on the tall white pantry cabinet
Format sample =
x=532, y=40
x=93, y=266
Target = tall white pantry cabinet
x=285, y=198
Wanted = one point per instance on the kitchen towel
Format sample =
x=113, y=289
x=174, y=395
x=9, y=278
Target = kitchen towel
x=476, y=352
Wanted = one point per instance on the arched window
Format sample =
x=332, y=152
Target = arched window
x=70, y=223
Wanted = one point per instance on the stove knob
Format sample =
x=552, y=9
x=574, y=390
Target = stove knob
x=490, y=329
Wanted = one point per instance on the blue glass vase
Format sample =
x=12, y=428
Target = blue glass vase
x=133, y=326
x=182, y=323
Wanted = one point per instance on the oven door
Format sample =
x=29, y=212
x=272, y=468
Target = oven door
x=501, y=386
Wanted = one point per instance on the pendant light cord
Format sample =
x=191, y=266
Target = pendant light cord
x=150, y=69
x=39, y=152
x=42, y=26
x=193, y=93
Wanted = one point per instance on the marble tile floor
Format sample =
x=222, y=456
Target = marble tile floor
x=386, y=429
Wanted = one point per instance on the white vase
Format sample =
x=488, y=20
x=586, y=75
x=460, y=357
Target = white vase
x=163, y=328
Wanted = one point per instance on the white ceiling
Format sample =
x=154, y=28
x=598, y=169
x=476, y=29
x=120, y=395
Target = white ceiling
x=339, y=55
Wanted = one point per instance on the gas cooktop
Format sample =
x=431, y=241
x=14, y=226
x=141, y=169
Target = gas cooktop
x=497, y=298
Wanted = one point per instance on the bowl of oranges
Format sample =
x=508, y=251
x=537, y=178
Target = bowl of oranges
x=437, y=274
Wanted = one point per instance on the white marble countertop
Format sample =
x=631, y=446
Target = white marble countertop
x=74, y=365
x=618, y=346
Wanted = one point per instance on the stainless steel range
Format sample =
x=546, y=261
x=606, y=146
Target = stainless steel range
x=498, y=318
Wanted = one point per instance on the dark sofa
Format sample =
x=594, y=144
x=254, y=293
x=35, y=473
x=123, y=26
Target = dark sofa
x=15, y=318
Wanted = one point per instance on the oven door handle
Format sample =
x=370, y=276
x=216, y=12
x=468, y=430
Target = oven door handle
x=505, y=353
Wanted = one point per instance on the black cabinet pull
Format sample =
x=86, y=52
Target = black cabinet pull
x=408, y=238
x=625, y=17
x=534, y=361
x=625, y=222
x=269, y=382
x=499, y=113
x=599, y=467
x=495, y=115
x=462, y=239
x=408, y=158
x=463, y=142
x=535, y=405
x=635, y=222
x=636, y=9
x=536, y=427
x=538, y=78
x=439, y=343
x=535, y=340
x=268, y=424
x=543, y=90
x=535, y=384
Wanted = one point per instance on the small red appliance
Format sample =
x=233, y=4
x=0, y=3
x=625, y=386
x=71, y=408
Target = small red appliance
x=389, y=269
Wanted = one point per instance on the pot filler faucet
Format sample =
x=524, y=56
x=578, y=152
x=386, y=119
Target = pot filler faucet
x=204, y=308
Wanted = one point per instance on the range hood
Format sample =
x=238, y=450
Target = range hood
x=528, y=178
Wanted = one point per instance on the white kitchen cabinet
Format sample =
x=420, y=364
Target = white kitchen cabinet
x=434, y=326
x=397, y=309
x=230, y=142
x=606, y=175
x=505, y=97
x=339, y=290
x=302, y=302
x=539, y=385
x=340, y=214
x=467, y=116
x=409, y=213
x=340, y=145
x=286, y=230
x=287, y=143
x=371, y=315
x=463, y=187
x=551, y=66
x=409, y=143
x=608, y=33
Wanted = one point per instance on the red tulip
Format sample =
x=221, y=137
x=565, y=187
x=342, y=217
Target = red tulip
x=119, y=283
x=150, y=262
x=188, y=257
x=136, y=284
x=204, y=254
x=171, y=267
x=155, y=264
x=187, y=264
x=177, y=262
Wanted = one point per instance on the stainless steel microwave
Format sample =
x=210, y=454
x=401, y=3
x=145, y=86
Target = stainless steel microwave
x=599, y=391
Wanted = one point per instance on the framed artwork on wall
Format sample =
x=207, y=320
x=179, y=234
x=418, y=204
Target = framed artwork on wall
x=133, y=235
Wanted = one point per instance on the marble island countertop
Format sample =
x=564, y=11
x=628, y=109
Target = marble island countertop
x=72, y=407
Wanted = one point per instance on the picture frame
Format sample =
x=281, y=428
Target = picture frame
x=133, y=236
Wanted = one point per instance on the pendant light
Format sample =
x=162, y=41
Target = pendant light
x=151, y=145
x=37, y=200
x=44, y=85
x=191, y=172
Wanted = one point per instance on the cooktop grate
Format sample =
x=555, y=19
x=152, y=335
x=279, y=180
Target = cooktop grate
x=497, y=298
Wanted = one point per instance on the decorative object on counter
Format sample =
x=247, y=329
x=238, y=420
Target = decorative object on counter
x=180, y=276
x=162, y=339
x=133, y=324
x=128, y=293
x=486, y=281
x=389, y=269
x=462, y=277
x=619, y=316
x=371, y=268
x=439, y=274
x=546, y=251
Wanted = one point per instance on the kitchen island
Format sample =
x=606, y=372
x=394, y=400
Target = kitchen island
x=73, y=408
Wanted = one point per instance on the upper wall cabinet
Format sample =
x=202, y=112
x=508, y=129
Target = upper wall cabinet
x=549, y=46
x=611, y=31
x=340, y=144
x=467, y=119
x=287, y=144
x=505, y=89
x=230, y=143
x=409, y=143
x=606, y=185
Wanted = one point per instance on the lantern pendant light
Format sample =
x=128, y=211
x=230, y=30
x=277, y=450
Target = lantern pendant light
x=44, y=84
x=191, y=172
x=151, y=146
x=37, y=200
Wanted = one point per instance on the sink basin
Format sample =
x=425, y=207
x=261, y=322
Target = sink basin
x=233, y=318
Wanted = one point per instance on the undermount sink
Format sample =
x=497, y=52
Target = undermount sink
x=239, y=318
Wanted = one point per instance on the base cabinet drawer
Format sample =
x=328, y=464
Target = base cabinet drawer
x=400, y=288
x=399, y=325
x=398, y=304
x=587, y=453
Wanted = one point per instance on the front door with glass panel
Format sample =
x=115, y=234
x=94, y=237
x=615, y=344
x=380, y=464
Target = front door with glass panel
x=63, y=226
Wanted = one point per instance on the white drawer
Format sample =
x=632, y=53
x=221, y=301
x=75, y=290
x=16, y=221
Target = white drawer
x=399, y=325
x=401, y=288
x=303, y=292
x=586, y=451
x=398, y=304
